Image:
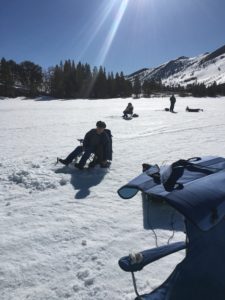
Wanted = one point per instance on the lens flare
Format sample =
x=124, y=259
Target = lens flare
x=112, y=32
x=102, y=15
x=109, y=37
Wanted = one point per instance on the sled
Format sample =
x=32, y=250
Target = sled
x=130, y=117
x=167, y=109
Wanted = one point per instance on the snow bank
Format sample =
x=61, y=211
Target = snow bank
x=31, y=176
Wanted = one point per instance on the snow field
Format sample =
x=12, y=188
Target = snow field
x=62, y=231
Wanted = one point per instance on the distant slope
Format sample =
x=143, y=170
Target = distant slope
x=206, y=68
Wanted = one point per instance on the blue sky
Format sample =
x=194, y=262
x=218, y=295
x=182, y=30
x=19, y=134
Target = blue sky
x=122, y=35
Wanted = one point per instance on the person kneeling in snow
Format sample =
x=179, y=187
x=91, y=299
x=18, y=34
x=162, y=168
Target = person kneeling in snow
x=128, y=111
x=97, y=141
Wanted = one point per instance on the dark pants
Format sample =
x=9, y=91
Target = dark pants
x=125, y=114
x=99, y=154
x=172, y=106
x=79, y=150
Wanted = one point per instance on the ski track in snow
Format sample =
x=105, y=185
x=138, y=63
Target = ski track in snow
x=165, y=131
x=62, y=231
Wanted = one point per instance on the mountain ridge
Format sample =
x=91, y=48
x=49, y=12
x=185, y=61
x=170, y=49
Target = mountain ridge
x=206, y=68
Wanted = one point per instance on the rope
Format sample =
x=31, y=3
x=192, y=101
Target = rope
x=172, y=226
x=135, y=285
x=151, y=227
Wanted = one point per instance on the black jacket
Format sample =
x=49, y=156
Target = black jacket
x=129, y=110
x=172, y=99
x=94, y=141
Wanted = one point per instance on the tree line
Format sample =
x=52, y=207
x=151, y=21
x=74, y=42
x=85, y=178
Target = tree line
x=69, y=80
x=22, y=79
x=151, y=87
x=65, y=80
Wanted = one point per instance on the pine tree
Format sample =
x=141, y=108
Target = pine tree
x=7, y=77
x=137, y=87
x=111, y=85
x=128, y=88
x=57, y=82
x=46, y=84
x=30, y=76
x=146, y=88
x=87, y=84
x=101, y=84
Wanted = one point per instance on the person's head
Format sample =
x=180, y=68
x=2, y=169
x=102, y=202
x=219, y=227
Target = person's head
x=100, y=126
x=129, y=104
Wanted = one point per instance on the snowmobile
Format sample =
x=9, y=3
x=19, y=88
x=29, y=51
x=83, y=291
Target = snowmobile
x=195, y=188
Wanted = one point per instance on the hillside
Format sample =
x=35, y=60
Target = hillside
x=205, y=68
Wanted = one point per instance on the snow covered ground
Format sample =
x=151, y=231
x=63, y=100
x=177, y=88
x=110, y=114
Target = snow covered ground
x=62, y=231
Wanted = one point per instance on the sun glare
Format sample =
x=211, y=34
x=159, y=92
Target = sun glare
x=112, y=32
x=101, y=16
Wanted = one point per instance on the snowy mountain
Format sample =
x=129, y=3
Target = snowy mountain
x=206, y=68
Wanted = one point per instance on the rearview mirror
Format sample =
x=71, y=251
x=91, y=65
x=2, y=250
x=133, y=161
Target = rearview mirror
x=127, y=192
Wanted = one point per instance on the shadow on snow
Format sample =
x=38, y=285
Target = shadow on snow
x=83, y=180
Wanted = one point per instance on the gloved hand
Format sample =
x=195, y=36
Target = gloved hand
x=104, y=164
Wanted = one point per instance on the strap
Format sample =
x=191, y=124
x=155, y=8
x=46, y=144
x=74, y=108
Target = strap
x=170, y=177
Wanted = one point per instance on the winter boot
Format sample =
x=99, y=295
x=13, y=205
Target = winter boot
x=62, y=161
x=78, y=166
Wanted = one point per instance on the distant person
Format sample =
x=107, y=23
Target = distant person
x=128, y=111
x=97, y=141
x=193, y=109
x=172, y=103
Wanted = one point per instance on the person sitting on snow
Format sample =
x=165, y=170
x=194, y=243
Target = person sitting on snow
x=96, y=141
x=128, y=111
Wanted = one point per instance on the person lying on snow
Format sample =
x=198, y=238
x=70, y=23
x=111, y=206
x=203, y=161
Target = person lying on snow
x=96, y=141
x=128, y=111
x=193, y=109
